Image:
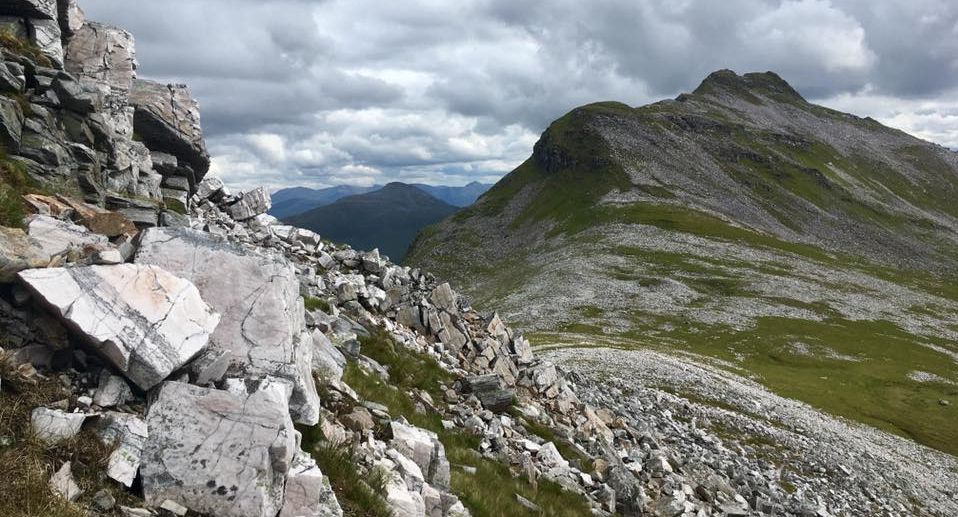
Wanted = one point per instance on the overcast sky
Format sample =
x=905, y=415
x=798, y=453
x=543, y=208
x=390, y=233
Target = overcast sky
x=324, y=92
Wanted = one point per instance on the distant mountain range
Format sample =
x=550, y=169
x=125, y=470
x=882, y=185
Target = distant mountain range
x=387, y=218
x=298, y=200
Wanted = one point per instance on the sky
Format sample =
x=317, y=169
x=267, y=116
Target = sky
x=325, y=92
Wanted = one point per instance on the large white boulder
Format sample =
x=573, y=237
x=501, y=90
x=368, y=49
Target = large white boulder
x=141, y=318
x=263, y=320
x=223, y=453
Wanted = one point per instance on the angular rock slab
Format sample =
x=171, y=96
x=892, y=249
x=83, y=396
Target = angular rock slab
x=128, y=434
x=54, y=426
x=103, y=55
x=308, y=492
x=257, y=294
x=218, y=452
x=424, y=448
x=143, y=319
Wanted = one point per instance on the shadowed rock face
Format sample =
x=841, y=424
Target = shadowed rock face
x=168, y=119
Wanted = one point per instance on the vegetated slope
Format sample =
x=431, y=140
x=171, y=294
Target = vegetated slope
x=297, y=200
x=388, y=219
x=812, y=250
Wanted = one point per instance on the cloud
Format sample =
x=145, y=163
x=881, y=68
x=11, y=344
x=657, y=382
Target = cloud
x=319, y=92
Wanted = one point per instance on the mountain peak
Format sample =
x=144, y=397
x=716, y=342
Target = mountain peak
x=768, y=84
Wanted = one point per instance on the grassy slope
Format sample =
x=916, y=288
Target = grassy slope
x=487, y=493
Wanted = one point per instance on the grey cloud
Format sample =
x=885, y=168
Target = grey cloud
x=300, y=91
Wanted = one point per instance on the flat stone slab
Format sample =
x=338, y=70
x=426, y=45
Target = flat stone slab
x=141, y=318
x=223, y=453
x=263, y=320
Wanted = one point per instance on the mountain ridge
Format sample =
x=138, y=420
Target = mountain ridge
x=734, y=215
x=293, y=201
x=387, y=219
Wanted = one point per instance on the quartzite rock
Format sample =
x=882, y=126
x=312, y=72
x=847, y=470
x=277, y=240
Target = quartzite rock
x=263, y=321
x=217, y=452
x=168, y=119
x=18, y=252
x=55, y=237
x=103, y=55
x=62, y=483
x=308, y=493
x=251, y=204
x=127, y=434
x=54, y=426
x=141, y=318
x=424, y=448
x=39, y=9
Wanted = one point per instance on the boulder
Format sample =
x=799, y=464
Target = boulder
x=18, y=251
x=209, y=188
x=141, y=318
x=127, y=434
x=308, y=493
x=257, y=293
x=218, y=452
x=488, y=389
x=54, y=426
x=103, y=56
x=250, y=205
x=403, y=502
x=168, y=119
x=443, y=297
x=424, y=448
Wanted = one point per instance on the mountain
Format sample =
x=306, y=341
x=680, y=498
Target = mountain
x=456, y=196
x=388, y=218
x=297, y=200
x=738, y=226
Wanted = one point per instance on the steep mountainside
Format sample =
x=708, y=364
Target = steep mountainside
x=298, y=200
x=811, y=250
x=388, y=219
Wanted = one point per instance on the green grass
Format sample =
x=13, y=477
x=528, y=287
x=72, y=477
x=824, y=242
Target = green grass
x=23, y=47
x=316, y=304
x=359, y=494
x=874, y=389
x=490, y=491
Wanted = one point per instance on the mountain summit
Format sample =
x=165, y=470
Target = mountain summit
x=808, y=248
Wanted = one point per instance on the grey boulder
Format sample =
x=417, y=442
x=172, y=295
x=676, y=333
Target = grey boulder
x=223, y=453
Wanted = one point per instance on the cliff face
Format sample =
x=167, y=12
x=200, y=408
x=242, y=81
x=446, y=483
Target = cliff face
x=76, y=120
